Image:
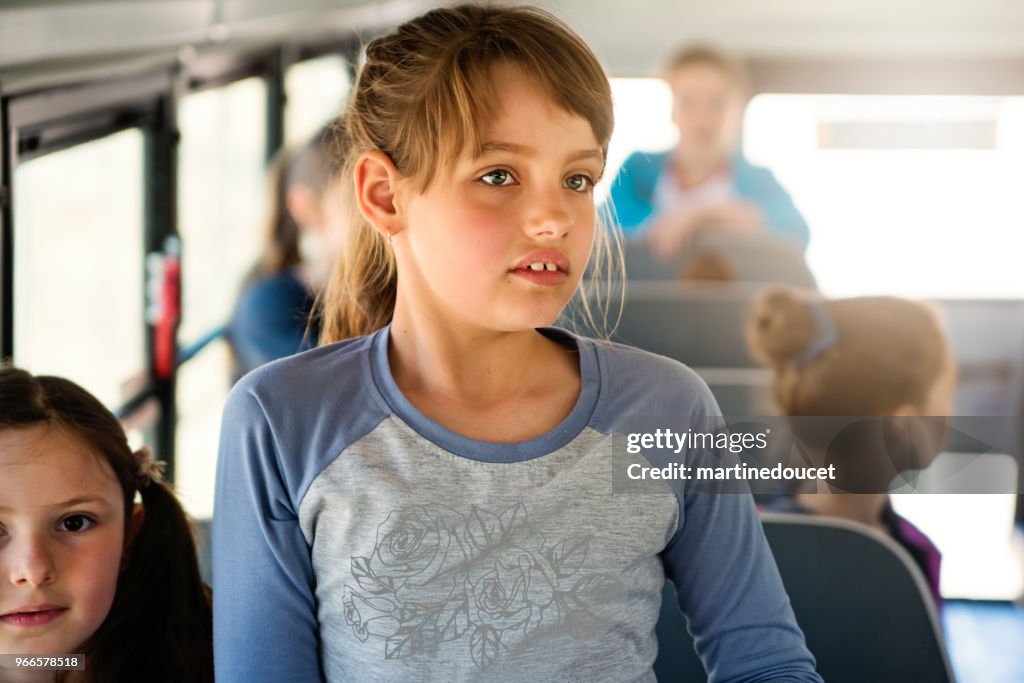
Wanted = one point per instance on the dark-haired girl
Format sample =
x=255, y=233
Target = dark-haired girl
x=85, y=568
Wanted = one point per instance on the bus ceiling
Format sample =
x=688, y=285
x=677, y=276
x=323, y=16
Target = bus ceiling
x=828, y=46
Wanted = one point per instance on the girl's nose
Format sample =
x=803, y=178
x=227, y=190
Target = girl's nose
x=549, y=217
x=30, y=562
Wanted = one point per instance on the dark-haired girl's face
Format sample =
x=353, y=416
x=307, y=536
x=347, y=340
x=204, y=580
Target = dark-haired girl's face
x=62, y=530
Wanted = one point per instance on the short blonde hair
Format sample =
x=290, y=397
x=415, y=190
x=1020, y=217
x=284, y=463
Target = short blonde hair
x=705, y=55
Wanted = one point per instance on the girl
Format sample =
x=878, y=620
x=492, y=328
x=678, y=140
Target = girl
x=305, y=229
x=86, y=569
x=433, y=500
x=870, y=356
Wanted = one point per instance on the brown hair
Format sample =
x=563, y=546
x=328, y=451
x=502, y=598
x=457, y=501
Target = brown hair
x=885, y=352
x=705, y=55
x=421, y=97
x=159, y=626
x=308, y=165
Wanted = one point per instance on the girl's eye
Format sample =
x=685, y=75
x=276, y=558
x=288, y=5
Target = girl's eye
x=498, y=178
x=579, y=183
x=76, y=523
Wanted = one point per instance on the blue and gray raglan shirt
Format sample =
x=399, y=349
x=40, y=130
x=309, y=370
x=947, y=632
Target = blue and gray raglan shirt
x=356, y=540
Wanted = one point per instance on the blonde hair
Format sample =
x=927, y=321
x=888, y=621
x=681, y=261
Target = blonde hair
x=881, y=352
x=705, y=55
x=422, y=97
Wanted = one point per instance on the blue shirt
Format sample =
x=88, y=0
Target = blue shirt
x=270, y=321
x=632, y=194
x=355, y=539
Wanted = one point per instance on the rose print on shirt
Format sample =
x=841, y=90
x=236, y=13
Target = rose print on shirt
x=491, y=580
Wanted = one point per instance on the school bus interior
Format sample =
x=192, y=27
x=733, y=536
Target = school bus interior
x=136, y=139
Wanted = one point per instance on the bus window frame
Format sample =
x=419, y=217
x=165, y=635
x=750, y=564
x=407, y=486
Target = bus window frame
x=47, y=121
x=89, y=105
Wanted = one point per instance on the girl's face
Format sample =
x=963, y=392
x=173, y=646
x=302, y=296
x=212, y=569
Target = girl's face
x=931, y=436
x=62, y=532
x=336, y=216
x=500, y=241
x=939, y=401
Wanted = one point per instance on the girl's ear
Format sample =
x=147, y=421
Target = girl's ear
x=376, y=180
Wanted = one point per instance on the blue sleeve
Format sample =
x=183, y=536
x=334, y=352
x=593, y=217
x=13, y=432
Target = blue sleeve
x=780, y=213
x=264, y=612
x=629, y=195
x=730, y=589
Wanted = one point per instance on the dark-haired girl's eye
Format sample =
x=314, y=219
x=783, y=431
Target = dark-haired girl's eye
x=497, y=178
x=579, y=183
x=76, y=523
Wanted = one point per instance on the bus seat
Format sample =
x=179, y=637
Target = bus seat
x=747, y=258
x=741, y=391
x=641, y=264
x=699, y=325
x=861, y=601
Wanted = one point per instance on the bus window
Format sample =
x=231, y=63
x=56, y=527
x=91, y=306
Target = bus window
x=72, y=318
x=642, y=122
x=919, y=190
x=316, y=90
x=975, y=535
x=221, y=201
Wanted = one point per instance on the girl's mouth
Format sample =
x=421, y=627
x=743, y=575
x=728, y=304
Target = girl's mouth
x=33, y=617
x=545, y=276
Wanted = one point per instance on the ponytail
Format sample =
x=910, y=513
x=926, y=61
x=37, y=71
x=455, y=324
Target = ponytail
x=860, y=356
x=360, y=295
x=281, y=232
x=159, y=628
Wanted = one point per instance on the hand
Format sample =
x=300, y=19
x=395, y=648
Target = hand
x=732, y=216
x=672, y=231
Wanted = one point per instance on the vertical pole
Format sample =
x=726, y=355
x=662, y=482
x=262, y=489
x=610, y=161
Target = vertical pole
x=8, y=148
x=276, y=100
x=161, y=239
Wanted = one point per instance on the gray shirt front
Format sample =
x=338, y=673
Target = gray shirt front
x=357, y=540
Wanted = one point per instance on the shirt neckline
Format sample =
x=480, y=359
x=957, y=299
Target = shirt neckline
x=490, y=451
